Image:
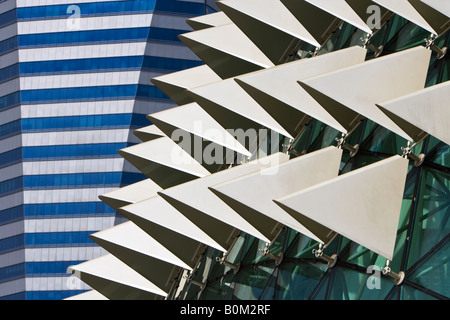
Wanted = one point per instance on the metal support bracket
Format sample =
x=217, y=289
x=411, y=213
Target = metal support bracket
x=300, y=128
x=223, y=261
x=315, y=52
x=276, y=258
x=288, y=146
x=201, y=285
x=429, y=43
x=319, y=253
x=244, y=159
x=367, y=44
x=397, y=277
x=407, y=154
x=344, y=145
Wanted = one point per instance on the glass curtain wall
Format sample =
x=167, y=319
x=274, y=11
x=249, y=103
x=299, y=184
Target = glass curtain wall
x=423, y=246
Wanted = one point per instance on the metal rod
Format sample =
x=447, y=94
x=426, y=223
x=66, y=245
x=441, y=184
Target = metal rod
x=397, y=277
x=319, y=254
x=276, y=258
x=352, y=149
x=233, y=266
x=376, y=50
x=440, y=52
x=198, y=283
x=430, y=45
x=342, y=144
x=407, y=154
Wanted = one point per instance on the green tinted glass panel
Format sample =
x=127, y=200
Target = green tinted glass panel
x=409, y=36
x=431, y=144
x=220, y=289
x=296, y=281
x=445, y=75
x=349, y=284
x=251, y=282
x=395, y=25
x=301, y=247
x=430, y=272
x=327, y=137
x=431, y=222
x=269, y=291
x=254, y=253
x=441, y=155
x=384, y=141
x=408, y=293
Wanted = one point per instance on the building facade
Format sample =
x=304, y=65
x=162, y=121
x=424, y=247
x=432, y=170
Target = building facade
x=276, y=223
x=74, y=85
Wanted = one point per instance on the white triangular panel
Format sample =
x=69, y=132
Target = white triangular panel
x=175, y=84
x=251, y=195
x=427, y=110
x=363, y=205
x=404, y=9
x=228, y=95
x=226, y=50
x=191, y=118
x=141, y=252
x=130, y=194
x=113, y=274
x=131, y=237
x=370, y=83
x=158, y=211
x=317, y=21
x=437, y=19
x=148, y=133
x=280, y=82
x=273, y=13
x=150, y=157
x=202, y=207
x=342, y=10
x=209, y=20
x=88, y=295
x=442, y=6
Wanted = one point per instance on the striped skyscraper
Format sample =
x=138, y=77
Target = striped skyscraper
x=74, y=85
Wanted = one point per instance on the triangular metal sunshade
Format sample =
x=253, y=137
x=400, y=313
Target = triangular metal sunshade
x=208, y=20
x=251, y=195
x=164, y=162
x=233, y=108
x=148, y=133
x=117, y=281
x=88, y=295
x=363, y=205
x=196, y=126
x=269, y=24
x=277, y=91
x=226, y=50
x=319, y=23
x=175, y=84
x=371, y=82
x=130, y=194
x=417, y=12
x=343, y=10
x=139, y=251
x=169, y=227
x=422, y=112
x=208, y=212
x=442, y=6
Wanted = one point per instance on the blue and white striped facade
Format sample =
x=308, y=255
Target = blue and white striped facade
x=72, y=90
